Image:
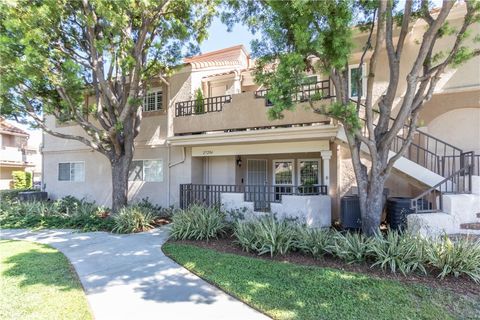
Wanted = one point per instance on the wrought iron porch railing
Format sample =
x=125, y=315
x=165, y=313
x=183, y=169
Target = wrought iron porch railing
x=458, y=182
x=190, y=107
x=316, y=90
x=260, y=195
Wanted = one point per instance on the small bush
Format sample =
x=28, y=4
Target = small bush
x=133, y=219
x=198, y=223
x=313, y=241
x=398, y=251
x=165, y=213
x=351, y=247
x=12, y=194
x=455, y=258
x=63, y=213
x=22, y=180
x=266, y=235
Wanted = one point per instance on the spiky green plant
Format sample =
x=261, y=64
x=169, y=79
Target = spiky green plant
x=133, y=219
x=398, y=251
x=350, y=246
x=460, y=257
x=313, y=241
x=198, y=223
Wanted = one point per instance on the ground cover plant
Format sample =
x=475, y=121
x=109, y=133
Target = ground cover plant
x=394, y=251
x=198, y=223
x=37, y=282
x=289, y=291
x=72, y=213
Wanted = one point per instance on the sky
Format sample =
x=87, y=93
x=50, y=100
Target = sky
x=220, y=38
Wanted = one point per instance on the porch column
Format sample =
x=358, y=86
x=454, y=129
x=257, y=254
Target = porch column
x=237, y=82
x=326, y=155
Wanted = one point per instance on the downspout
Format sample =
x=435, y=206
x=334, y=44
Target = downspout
x=170, y=165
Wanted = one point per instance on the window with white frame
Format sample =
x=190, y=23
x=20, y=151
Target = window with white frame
x=357, y=88
x=283, y=172
x=71, y=171
x=309, y=172
x=146, y=170
x=153, y=101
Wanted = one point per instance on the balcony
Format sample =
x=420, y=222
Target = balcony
x=247, y=110
x=13, y=156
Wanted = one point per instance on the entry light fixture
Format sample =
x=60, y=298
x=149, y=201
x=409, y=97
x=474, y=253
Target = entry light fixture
x=239, y=161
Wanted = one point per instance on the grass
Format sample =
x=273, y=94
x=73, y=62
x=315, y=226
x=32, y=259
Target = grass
x=38, y=282
x=288, y=291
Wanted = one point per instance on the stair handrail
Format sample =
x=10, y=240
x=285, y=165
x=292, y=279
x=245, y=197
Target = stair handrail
x=458, y=182
x=432, y=160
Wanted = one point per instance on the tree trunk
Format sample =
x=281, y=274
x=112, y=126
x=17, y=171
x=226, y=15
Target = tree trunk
x=371, y=206
x=120, y=166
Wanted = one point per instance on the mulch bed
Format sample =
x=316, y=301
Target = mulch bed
x=461, y=285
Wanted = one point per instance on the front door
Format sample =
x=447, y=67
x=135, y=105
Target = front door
x=256, y=189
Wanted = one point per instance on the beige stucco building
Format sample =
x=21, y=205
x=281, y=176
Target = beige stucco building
x=227, y=151
x=16, y=154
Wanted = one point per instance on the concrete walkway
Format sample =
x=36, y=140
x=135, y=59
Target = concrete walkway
x=129, y=277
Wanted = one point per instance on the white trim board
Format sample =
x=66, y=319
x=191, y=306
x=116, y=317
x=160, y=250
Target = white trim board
x=260, y=148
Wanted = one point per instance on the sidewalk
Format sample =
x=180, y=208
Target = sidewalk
x=129, y=277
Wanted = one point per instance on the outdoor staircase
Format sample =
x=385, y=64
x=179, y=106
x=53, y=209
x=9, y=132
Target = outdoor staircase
x=451, y=177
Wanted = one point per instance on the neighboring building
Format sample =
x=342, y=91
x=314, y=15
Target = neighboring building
x=15, y=153
x=229, y=152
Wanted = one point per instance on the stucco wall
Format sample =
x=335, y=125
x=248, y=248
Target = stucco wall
x=315, y=211
x=460, y=127
x=97, y=184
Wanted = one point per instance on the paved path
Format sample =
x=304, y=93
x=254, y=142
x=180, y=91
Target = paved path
x=129, y=277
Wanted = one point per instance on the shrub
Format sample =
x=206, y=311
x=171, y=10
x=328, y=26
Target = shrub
x=133, y=219
x=398, y=251
x=350, y=247
x=22, y=180
x=245, y=234
x=266, y=235
x=44, y=214
x=12, y=194
x=455, y=258
x=165, y=213
x=199, y=103
x=313, y=241
x=198, y=223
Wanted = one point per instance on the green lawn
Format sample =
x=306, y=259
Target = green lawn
x=289, y=291
x=37, y=282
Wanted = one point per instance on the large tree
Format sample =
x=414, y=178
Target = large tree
x=302, y=36
x=56, y=53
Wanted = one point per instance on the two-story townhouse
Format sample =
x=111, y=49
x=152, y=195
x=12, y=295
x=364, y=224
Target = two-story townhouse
x=225, y=150
x=15, y=154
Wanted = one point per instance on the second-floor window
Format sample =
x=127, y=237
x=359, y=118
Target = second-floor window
x=71, y=171
x=357, y=81
x=153, y=101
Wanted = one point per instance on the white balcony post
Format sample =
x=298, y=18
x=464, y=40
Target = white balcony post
x=237, y=83
x=326, y=156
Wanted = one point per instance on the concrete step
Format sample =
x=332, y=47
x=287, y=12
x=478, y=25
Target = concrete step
x=462, y=236
x=470, y=226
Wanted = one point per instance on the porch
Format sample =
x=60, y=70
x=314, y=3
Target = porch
x=263, y=177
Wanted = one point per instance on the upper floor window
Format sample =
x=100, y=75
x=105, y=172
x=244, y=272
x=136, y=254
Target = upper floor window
x=153, y=101
x=357, y=88
x=146, y=170
x=71, y=171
